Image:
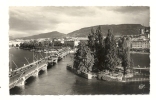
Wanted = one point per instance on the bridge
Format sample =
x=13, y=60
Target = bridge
x=19, y=76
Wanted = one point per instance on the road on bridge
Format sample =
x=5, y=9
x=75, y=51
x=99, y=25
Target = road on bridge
x=26, y=70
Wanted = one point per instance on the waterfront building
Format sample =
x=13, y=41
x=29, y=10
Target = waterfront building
x=140, y=44
x=82, y=38
x=142, y=40
x=42, y=39
x=71, y=43
x=14, y=43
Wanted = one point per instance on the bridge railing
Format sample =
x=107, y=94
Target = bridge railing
x=13, y=83
x=63, y=53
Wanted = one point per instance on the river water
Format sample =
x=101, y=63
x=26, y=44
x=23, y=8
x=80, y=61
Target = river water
x=59, y=81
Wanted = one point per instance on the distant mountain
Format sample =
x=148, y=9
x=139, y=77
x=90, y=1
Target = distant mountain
x=53, y=34
x=121, y=29
x=10, y=37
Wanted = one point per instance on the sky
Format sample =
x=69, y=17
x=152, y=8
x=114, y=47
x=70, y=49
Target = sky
x=27, y=21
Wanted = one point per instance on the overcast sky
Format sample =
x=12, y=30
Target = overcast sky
x=26, y=21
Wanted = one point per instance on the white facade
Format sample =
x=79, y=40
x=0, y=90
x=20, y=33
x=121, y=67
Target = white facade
x=14, y=43
x=76, y=43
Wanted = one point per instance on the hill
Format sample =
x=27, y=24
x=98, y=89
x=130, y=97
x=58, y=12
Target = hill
x=11, y=37
x=53, y=34
x=121, y=29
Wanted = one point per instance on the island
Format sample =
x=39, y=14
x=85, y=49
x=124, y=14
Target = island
x=106, y=59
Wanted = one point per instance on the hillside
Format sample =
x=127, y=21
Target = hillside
x=121, y=29
x=11, y=37
x=53, y=34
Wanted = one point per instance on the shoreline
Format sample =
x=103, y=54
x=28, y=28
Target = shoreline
x=139, y=52
x=104, y=77
x=132, y=52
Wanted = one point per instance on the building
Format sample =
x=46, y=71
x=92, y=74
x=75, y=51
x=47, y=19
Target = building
x=140, y=44
x=147, y=31
x=14, y=43
x=82, y=38
x=142, y=40
x=72, y=43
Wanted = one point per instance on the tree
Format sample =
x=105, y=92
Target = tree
x=127, y=62
x=91, y=40
x=83, y=59
x=21, y=45
x=111, y=57
x=100, y=49
x=96, y=44
x=17, y=45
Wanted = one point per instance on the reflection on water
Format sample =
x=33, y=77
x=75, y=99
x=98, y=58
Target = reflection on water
x=58, y=81
x=15, y=90
x=41, y=72
x=141, y=59
x=30, y=80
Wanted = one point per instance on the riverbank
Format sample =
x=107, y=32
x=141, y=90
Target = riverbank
x=118, y=77
x=132, y=52
x=82, y=74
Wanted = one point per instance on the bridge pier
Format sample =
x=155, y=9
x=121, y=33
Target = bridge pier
x=36, y=73
x=22, y=83
x=45, y=68
x=55, y=61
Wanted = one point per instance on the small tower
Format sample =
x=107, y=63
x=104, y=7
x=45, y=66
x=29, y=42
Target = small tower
x=141, y=31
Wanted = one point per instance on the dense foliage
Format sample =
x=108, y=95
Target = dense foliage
x=35, y=44
x=83, y=59
x=41, y=45
x=96, y=45
x=103, y=53
x=111, y=56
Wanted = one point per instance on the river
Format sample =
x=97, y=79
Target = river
x=59, y=81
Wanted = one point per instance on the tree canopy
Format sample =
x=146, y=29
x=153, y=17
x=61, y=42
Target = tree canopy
x=83, y=59
x=102, y=53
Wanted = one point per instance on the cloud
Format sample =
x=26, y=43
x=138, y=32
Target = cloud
x=131, y=9
x=26, y=21
x=71, y=11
